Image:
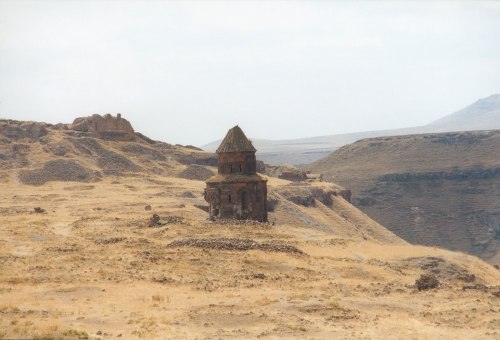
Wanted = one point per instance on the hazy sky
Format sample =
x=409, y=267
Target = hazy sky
x=185, y=72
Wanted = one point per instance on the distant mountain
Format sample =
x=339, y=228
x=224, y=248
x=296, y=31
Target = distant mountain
x=482, y=115
x=307, y=150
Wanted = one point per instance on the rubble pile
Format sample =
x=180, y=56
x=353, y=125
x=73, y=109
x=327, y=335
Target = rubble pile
x=59, y=170
x=232, y=221
x=234, y=244
x=157, y=221
x=196, y=172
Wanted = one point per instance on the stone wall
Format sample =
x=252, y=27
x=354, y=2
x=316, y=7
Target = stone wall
x=237, y=163
x=240, y=200
x=105, y=127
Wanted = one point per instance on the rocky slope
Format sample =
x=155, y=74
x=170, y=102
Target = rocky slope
x=88, y=149
x=433, y=189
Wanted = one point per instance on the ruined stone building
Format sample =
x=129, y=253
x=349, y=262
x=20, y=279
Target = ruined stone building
x=105, y=127
x=237, y=191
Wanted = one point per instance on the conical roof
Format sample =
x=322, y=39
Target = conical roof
x=235, y=141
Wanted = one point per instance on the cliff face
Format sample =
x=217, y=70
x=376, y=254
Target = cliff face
x=105, y=127
x=433, y=189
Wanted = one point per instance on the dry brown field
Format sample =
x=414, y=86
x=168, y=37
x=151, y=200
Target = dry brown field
x=90, y=267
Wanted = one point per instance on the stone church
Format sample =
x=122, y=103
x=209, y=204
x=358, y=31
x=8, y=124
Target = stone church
x=237, y=191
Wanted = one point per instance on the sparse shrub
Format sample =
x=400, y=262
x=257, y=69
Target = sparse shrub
x=81, y=335
x=427, y=281
x=157, y=298
x=466, y=277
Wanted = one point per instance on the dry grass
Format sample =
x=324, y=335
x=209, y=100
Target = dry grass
x=62, y=277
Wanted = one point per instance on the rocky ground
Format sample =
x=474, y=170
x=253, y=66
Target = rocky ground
x=104, y=239
x=90, y=264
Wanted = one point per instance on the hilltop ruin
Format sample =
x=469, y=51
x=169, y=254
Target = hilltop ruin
x=105, y=127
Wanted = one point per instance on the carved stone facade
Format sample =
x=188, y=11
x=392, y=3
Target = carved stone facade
x=237, y=191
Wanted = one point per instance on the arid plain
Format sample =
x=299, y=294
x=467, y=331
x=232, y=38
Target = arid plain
x=90, y=264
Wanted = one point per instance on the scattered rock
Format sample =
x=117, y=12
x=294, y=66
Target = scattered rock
x=235, y=222
x=110, y=162
x=234, y=244
x=147, y=207
x=466, y=277
x=15, y=130
x=111, y=240
x=60, y=149
x=139, y=150
x=427, y=281
x=59, y=170
x=477, y=286
x=196, y=172
x=188, y=194
x=14, y=155
x=441, y=268
x=39, y=210
x=197, y=158
x=306, y=195
x=156, y=221
x=162, y=279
